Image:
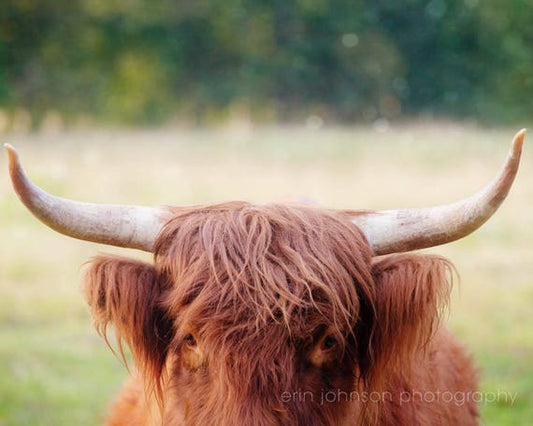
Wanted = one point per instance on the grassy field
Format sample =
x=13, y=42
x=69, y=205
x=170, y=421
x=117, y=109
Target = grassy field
x=55, y=370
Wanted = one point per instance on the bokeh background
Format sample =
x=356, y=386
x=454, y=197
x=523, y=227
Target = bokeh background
x=138, y=61
x=362, y=104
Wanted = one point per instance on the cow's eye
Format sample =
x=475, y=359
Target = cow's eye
x=325, y=352
x=191, y=353
x=329, y=342
x=190, y=340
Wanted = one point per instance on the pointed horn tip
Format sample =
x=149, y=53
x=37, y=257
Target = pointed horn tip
x=518, y=139
x=516, y=144
x=12, y=157
x=11, y=152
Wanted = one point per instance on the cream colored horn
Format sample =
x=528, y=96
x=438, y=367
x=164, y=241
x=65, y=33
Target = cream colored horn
x=116, y=225
x=393, y=231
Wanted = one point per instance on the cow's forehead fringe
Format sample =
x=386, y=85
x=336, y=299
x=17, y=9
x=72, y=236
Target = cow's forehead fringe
x=264, y=264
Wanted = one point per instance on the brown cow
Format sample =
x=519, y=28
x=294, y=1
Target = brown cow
x=279, y=314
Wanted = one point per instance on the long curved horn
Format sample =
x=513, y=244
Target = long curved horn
x=393, y=231
x=117, y=225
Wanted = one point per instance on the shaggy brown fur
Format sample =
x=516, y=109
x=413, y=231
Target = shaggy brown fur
x=279, y=315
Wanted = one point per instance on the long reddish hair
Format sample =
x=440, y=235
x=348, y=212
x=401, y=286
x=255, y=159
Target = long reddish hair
x=259, y=285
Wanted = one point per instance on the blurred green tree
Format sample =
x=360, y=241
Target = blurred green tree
x=131, y=62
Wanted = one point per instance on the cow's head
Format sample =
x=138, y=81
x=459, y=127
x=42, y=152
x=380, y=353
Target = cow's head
x=274, y=314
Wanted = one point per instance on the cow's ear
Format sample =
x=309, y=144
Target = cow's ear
x=127, y=294
x=411, y=293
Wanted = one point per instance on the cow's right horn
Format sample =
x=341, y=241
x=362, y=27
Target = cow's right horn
x=116, y=225
x=392, y=231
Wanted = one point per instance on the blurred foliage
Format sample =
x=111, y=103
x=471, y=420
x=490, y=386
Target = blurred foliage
x=140, y=61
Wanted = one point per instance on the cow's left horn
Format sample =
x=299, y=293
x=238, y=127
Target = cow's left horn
x=117, y=225
x=393, y=231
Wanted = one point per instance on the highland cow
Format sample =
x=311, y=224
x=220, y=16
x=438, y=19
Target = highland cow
x=279, y=314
